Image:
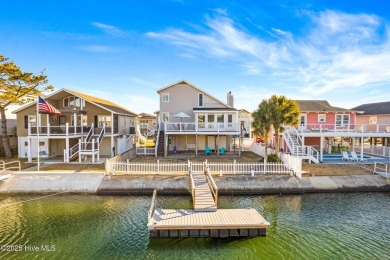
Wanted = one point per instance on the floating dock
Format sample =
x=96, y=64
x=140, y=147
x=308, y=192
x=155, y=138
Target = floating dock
x=205, y=220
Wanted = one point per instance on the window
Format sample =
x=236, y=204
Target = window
x=32, y=120
x=342, y=120
x=165, y=97
x=165, y=116
x=321, y=118
x=230, y=118
x=104, y=120
x=200, y=100
x=210, y=118
x=132, y=121
x=73, y=102
x=373, y=120
x=220, y=118
x=78, y=120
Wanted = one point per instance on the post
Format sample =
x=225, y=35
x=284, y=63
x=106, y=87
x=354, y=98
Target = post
x=321, y=149
x=93, y=150
x=234, y=166
x=79, y=150
x=127, y=166
x=220, y=172
x=361, y=148
x=67, y=129
x=158, y=166
x=67, y=148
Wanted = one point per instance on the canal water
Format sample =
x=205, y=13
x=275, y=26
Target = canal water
x=313, y=226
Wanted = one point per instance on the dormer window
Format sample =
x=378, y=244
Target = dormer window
x=200, y=100
x=73, y=102
x=165, y=97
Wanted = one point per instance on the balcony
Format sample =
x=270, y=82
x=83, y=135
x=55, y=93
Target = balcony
x=346, y=128
x=199, y=128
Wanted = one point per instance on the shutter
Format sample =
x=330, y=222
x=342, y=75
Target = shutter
x=26, y=122
x=96, y=121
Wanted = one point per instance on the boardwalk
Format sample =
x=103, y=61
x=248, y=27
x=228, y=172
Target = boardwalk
x=203, y=200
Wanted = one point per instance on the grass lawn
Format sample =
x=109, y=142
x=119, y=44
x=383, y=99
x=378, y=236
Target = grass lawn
x=245, y=157
x=70, y=167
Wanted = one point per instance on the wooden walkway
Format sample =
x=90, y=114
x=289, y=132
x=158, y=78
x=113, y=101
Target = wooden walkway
x=203, y=200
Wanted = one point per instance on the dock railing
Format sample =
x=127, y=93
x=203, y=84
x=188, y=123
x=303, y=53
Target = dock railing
x=382, y=169
x=152, y=206
x=4, y=167
x=192, y=185
x=212, y=185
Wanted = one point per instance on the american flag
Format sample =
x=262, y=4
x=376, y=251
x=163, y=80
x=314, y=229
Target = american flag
x=46, y=107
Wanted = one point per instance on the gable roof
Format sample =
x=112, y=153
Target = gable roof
x=105, y=104
x=195, y=87
x=319, y=106
x=147, y=116
x=379, y=108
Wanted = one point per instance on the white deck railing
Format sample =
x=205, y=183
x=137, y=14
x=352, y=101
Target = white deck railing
x=375, y=150
x=146, y=150
x=201, y=127
x=56, y=130
x=359, y=128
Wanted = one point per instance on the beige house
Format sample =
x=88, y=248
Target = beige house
x=87, y=126
x=191, y=119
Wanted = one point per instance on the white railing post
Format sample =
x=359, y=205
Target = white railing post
x=220, y=172
x=127, y=166
x=29, y=128
x=79, y=150
x=158, y=166
x=48, y=129
x=67, y=129
x=234, y=166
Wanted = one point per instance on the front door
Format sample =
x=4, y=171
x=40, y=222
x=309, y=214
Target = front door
x=302, y=122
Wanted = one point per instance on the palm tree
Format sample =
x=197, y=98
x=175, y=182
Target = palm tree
x=286, y=112
x=262, y=122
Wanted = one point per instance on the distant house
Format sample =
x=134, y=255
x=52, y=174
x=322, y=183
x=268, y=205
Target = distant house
x=145, y=118
x=100, y=126
x=375, y=115
x=192, y=119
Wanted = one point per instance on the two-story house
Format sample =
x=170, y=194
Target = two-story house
x=87, y=126
x=191, y=119
x=376, y=116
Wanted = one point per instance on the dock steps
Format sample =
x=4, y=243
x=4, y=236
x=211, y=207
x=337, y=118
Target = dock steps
x=203, y=200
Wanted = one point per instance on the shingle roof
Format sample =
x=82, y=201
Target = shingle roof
x=104, y=103
x=379, y=108
x=319, y=106
x=147, y=116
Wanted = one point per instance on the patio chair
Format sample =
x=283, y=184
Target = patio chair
x=356, y=158
x=44, y=154
x=221, y=150
x=345, y=156
x=207, y=150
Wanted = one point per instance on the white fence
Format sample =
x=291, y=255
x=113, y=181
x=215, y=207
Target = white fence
x=146, y=150
x=292, y=163
x=228, y=168
x=125, y=143
x=14, y=166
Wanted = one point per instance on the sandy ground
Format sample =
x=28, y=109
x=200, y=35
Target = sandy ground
x=336, y=169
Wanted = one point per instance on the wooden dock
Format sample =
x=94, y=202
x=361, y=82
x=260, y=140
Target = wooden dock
x=204, y=220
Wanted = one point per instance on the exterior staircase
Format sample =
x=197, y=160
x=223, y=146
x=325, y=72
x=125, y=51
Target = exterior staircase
x=296, y=147
x=161, y=143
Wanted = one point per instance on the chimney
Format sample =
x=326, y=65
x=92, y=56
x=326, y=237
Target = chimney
x=230, y=99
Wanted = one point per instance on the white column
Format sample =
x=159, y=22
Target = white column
x=75, y=123
x=47, y=124
x=166, y=146
x=67, y=148
x=361, y=147
x=112, y=145
x=29, y=149
x=353, y=144
x=79, y=150
x=196, y=145
x=321, y=147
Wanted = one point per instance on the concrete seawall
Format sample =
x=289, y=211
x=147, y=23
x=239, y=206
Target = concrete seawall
x=96, y=183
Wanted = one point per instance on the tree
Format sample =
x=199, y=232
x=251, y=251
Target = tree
x=286, y=112
x=262, y=122
x=17, y=88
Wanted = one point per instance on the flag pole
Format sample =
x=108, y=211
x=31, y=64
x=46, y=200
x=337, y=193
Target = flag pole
x=37, y=124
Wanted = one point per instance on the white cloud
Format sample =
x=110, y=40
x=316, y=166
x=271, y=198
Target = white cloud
x=108, y=29
x=340, y=52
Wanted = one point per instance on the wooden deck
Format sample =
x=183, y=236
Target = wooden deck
x=220, y=223
x=203, y=200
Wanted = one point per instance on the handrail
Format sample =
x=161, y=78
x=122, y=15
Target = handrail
x=157, y=141
x=102, y=132
x=73, y=151
x=192, y=183
x=3, y=164
x=89, y=136
x=152, y=206
x=212, y=185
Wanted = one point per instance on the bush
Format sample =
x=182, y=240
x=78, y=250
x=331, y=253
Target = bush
x=273, y=158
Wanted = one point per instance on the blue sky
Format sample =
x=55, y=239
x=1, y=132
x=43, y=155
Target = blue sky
x=126, y=50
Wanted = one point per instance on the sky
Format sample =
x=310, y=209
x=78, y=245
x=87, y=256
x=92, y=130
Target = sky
x=124, y=51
